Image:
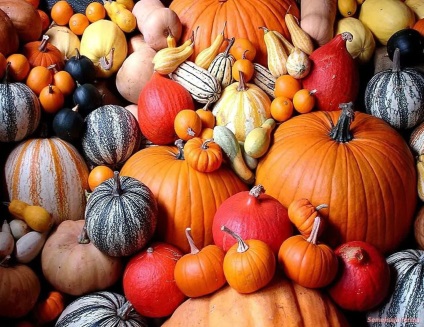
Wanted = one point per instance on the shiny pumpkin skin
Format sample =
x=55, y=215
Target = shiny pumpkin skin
x=281, y=303
x=211, y=15
x=359, y=179
x=186, y=197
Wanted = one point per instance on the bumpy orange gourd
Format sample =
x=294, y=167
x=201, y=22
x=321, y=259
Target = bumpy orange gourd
x=302, y=214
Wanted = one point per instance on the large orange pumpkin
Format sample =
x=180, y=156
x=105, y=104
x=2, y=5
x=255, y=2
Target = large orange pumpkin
x=186, y=197
x=364, y=171
x=206, y=18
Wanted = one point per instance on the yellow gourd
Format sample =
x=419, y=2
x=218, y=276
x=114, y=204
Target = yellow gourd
x=129, y=4
x=122, y=17
x=36, y=217
x=258, y=140
x=347, y=8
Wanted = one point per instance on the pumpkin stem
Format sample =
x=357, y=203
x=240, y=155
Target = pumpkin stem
x=321, y=206
x=180, y=146
x=75, y=108
x=124, y=311
x=6, y=74
x=242, y=83
x=347, y=36
x=51, y=89
x=78, y=55
x=205, y=144
x=257, y=190
x=315, y=229
x=193, y=248
x=105, y=63
x=341, y=132
x=242, y=246
x=396, y=61
x=190, y=131
x=83, y=237
x=230, y=44
x=5, y=261
x=354, y=254
x=43, y=45
x=117, y=189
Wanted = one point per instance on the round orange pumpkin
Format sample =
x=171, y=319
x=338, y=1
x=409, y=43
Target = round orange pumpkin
x=364, y=171
x=207, y=17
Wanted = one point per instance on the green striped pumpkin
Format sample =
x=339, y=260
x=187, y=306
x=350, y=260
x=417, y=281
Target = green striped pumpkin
x=111, y=135
x=405, y=306
x=221, y=66
x=105, y=309
x=396, y=95
x=20, y=111
x=121, y=216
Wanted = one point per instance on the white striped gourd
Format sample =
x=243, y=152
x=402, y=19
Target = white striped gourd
x=396, y=95
x=108, y=307
x=121, y=216
x=111, y=136
x=263, y=78
x=51, y=173
x=199, y=82
x=20, y=111
x=405, y=305
x=221, y=66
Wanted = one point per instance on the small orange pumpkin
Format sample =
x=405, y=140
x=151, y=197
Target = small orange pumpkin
x=206, y=116
x=302, y=214
x=51, y=98
x=43, y=53
x=187, y=124
x=203, y=155
x=38, y=78
x=49, y=308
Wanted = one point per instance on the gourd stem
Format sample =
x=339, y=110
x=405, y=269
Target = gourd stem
x=43, y=45
x=205, y=144
x=354, y=254
x=242, y=83
x=75, y=108
x=180, y=146
x=78, y=55
x=83, y=237
x=193, y=248
x=341, y=132
x=347, y=36
x=396, y=61
x=124, y=311
x=242, y=246
x=230, y=44
x=117, y=189
x=421, y=260
x=105, y=63
x=315, y=229
x=321, y=206
x=257, y=190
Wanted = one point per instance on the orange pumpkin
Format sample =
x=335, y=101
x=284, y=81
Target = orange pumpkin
x=338, y=159
x=51, y=98
x=203, y=155
x=49, y=308
x=302, y=214
x=187, y=124
x=43, y=53
x=240, y=16
x=186, y=197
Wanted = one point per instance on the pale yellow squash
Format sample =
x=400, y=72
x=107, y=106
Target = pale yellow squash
x=362, y=46
x=417, y=7
x=64, y=39
x=106, y=45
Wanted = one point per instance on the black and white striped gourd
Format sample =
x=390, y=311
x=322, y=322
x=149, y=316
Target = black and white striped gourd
x=20, y=111
x=121, y=216
x=396, y=95
x=105, y=309
x=263, y=78
x=221, y=66
x=199, y=82
x=405, y=305
x=111, y=136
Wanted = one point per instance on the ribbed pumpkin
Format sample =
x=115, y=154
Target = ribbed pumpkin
x=335, y=158
x=43, y=53
x=240, y=17
x=73, y=265
x=111, y=136
x=281, y=303
x=110, y=307
x=242, y=107
x=20, y=111
x=121, y=215
x=406, y=298
x=396, y=95
x=9, y=40
x=186, y=197
x=51, y=173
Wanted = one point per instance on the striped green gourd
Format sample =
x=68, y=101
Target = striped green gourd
x=121, y=216
x=405, y=306
x=20, y=110
x=396, y=95
x=105, y=308
x=111, y=136
x=221, y=66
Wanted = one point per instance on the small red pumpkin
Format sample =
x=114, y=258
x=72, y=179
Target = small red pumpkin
x=363, y=280
x=149, y=282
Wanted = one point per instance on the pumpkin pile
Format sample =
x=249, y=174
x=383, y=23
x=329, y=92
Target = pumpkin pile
x=211, y=163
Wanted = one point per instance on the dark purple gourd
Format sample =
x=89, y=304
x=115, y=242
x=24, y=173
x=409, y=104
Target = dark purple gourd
x=81, y=68
x=68, y=124
x=87, y=97
x=411, y=45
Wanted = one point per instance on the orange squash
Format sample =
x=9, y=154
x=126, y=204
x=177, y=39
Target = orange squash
x=49, y=308
x=43, y=53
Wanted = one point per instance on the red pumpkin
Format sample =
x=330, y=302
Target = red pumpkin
x=334, y=74
x=149, y=283
x=185, y=196
x=363, y=280
x=207, y=17
x=158, y=104
x=252, y=215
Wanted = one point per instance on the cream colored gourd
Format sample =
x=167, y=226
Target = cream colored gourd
x=258, y=140
x=168, y=59
x=18, y=228
x=135, y=72
x=207, y=55
x=417, y=7
x=105, y=44
x=385, y=17
x=29, y=246
x=362, y=46
x=7, y=242
x=298, y=64
x=420, y=175
x=277, y=55
x=154, y=21
x=299, y=37
x=64, y=39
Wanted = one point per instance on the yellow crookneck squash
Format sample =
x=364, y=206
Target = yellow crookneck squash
x=106, y=45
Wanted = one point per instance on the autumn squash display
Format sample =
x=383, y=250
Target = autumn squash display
x=51, y=173
x=203, y=192
x=20, y=110
x=100, y=306
x=252, y=214
x=210, y=16
x=317, y=152
x=149, y=283
x=111, y=135
x=73, y=265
